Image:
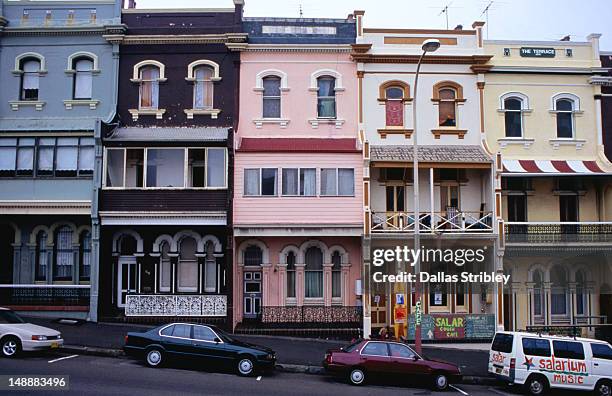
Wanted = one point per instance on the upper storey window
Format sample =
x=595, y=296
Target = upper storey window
x=271, y=97
x=565, y=118
x=394, y=106
x=326, y=97
x=83, y=71
x=149, y=87
x=203, y=87
x=448, y=94
x=513, y=117
x=30, y=78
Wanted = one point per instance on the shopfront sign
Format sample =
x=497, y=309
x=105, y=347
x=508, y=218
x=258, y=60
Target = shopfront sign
x=533, y=52
x=453, y=326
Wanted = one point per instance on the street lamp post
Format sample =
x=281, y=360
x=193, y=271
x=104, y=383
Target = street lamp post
x=428, y=46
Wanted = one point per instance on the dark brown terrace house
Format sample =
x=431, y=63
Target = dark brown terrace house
x=165, y=199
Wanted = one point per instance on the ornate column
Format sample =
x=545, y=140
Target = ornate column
x=345, y=287
x=327, y=284
x=266, y=268
x=299, y=283
x=173, y=272
x=282, y=283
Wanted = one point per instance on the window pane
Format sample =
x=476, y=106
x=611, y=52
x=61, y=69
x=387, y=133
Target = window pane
x=25, y=160
x=114, y=168
x=308, y=182
x=66, y=160
x=395, y=93
x=8, y=156
x=326, y=107
x=326, y=86
x=268, y=181
x=85, y=263
x=165, y=167
x=564, y=105
x=134, y=171
x=82, y=79
x=30, y=80
x=271, y=107
x=401, y=351
x=41, y=253
x=196, y=166
x=251, y=182
x=203, y=333
x=513, y=121
x=149, y=87
x=271, y=86
x=346, y=182
x=45, y=160
x=215, y=168
x=536, y=347
x=512, y=104
x=376, y=349
x=564, y=125
x=447, y=113
x=601, y=351
x=210, y=275
x=64, y=257
x=182, y=330
x=290, y=181
x=447, y=93
x=86, y=159
x=328, y=182
x=568, y=350
x=336, y=283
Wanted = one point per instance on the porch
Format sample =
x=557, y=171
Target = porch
x=38, y=297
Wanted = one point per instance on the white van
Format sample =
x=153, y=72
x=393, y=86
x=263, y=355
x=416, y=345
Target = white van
x=540, y=362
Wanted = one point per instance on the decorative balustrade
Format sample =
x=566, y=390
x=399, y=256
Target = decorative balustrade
x=311, y=314
x=443, y=222
x=44, y=295
x=558, y=232
x=175, y=305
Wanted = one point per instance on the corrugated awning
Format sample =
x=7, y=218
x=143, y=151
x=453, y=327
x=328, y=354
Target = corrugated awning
x=168, y=134
x=430, y=154
x=551, y=167
x=304, y=145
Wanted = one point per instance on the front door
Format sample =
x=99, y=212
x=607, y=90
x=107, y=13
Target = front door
x=127, y=278
x=252, y=294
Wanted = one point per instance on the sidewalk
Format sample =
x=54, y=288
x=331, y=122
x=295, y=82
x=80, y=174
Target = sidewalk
x=298, y=354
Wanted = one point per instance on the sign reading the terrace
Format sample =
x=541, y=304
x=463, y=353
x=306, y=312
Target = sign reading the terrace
x=531, y=52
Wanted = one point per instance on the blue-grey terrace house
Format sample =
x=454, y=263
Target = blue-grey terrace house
x=58, y=76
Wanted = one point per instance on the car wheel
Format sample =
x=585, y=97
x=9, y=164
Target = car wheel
x=154, y=357
x=440, y=382
x=536, y=385
x=357, y=376
x=246, y=366
x=603, y=388
x=11, y=346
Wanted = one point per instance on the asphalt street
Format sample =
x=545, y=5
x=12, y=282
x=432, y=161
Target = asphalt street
x=93, y=375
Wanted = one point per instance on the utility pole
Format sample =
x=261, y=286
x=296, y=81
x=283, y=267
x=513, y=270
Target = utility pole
x=485, y=12
x=445, y=11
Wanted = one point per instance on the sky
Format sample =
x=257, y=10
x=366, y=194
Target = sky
x=508, y=19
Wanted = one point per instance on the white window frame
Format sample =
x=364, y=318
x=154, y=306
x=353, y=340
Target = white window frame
x=299, y=170
x=259, y=169
x=576, y=110
x=337, y=194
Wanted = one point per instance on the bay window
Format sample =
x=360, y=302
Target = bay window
x=166, y=167
x=337, y=181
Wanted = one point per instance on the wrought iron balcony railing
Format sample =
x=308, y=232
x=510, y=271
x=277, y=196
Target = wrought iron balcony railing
x=311, y=314
x=558, y=232
x=44, y=295
x=175, y=305
x=450, y=221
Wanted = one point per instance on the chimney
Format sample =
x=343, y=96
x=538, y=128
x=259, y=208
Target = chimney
x=459, y=27
x=358, y=15
x=477, y=25
x=565, y=38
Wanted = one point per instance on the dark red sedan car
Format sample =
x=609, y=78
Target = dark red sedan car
x=372, y=358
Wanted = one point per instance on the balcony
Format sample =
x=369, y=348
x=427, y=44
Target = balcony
x=175, y=305
x=558, y=232
x=45, y=297
x=450, y=221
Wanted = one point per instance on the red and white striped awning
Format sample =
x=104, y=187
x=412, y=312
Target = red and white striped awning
x=551, y=167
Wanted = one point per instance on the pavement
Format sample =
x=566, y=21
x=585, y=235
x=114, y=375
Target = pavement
x=298, y=355
x=95, y=375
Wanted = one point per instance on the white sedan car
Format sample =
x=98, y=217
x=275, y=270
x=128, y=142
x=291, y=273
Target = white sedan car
x=16, y=335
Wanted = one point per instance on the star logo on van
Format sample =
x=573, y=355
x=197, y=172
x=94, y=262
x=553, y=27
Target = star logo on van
x=529, y=363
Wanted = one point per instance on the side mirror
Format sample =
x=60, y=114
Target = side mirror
x=217, y=340
x=415, y=358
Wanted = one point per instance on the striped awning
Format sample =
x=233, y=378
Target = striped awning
x=551, y=167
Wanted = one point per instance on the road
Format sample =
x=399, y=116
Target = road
x=94, y=375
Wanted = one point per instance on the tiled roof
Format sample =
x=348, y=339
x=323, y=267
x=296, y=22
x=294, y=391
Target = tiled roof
x=298, y=145
x=134, y=134
x=470, y=154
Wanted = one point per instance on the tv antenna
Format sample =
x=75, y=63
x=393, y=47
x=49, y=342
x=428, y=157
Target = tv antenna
x=445, y=12
x=301, y=12
x=485, y=12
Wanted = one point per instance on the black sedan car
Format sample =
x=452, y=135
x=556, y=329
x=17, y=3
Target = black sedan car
x=206, y=344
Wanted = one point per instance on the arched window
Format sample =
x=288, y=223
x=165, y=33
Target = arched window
x=83, y=71
x=581, y=294
x=149, y=87
x=253, y=255
x=336, y=260
x=558, y=292
x=85, y=256
x=271, y=97
x=326, y=97
x=127, y=245
x=203, y=88
x=313, y=273
x=538, y=296
x=290, y=275
x=41, y=256
x=447, y=107
x=30, y=78
x=210, y=270
x=64, y=256
x=565, y=118
x=165, y=270
x=188, y=266
x=394, y=106
x=513, y=117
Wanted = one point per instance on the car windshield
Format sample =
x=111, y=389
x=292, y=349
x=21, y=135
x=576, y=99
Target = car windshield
x=351, y=347
x=10, y=317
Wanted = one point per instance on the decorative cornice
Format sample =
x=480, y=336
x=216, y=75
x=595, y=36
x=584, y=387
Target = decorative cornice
x=601, y=80
x=184, y=39
x=346, y=48
x=420, y=31
x=361, y=48
x=475, y=60
x=64, y=30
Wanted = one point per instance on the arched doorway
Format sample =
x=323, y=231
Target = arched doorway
x=252, y=259
x=127, y=272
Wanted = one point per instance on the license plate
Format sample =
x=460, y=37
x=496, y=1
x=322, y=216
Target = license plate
x=54, y=345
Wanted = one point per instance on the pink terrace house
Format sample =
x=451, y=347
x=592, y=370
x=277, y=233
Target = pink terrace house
x=298, y=198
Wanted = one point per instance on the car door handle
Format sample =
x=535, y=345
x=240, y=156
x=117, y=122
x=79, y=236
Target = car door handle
x=595, y=364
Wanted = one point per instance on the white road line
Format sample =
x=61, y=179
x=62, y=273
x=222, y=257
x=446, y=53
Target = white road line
x=63, y=358
x=498, y=392
x=459, y=390
x=259, y=378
